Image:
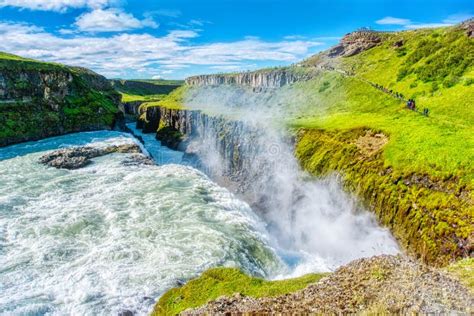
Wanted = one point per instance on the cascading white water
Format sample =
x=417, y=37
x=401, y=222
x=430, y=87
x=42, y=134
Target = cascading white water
x=112, y=237
x=315, y=225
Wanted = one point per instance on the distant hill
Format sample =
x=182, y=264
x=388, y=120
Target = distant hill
x=145, y=87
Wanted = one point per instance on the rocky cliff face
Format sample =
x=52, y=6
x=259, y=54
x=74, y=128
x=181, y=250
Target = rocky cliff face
x=248, y=160
x=273, y=78
x=354, y=43
x=23, y=86
x=131, y=108
x=236, y=154
x=468, y=26
x=38, y=100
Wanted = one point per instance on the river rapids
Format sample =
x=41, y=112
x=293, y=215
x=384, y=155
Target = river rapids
x=112, y=237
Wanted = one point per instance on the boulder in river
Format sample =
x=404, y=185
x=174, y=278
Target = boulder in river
x=137, y=160
x=78, y=157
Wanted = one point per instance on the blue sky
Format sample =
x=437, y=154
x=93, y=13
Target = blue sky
x=176, y=38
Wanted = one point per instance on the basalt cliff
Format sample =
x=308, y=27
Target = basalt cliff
x=258, y=80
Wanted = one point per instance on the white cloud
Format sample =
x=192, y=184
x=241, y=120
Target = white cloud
x=389, y=20
x=156, y=77
x=181, y=35
x=122, y=54
x=408, y=24
x=111, y=20
x=457, y=18
x=236, y=67
x=56, y=5
x=67, y=31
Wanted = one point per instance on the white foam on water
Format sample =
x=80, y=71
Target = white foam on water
x=110, y=237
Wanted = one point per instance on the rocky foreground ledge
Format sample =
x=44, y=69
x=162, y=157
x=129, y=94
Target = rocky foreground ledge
x=377, y=285
x=78, y=157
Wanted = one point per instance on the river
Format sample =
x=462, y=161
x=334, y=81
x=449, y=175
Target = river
x=112, y=237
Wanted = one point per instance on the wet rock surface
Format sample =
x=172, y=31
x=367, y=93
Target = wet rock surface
x=137, y=160
x=378, y=285
x=78, y=157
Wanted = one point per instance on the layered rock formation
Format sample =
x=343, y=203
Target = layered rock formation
x=262, y=79
x=468, y=26
x=38, y=100
x=131, y=108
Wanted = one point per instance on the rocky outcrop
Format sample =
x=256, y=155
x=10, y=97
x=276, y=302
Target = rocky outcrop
x=233, y=152
x=138, y=160
x=468, y=26
x=131, y=108
x=262, y=79
x=78, y=157
x=354, y=43
x=153, y=117
x=39, y=100
x=377, y=285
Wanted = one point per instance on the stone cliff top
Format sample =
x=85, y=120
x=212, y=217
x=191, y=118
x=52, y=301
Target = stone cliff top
x=468, y=25
x=356, y=42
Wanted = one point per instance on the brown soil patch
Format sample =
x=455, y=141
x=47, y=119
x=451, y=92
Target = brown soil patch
x=371, y=143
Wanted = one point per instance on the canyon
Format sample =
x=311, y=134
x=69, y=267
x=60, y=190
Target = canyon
x=279, y=172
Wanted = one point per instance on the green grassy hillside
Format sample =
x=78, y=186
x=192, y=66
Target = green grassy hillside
x=420, y=182
x=434, y=67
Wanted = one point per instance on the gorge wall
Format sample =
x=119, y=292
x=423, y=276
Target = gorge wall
x=256, y=162
x=262, y=79
x=231, y=151
x=39, y=100
x=420, y=210
x=415, y=207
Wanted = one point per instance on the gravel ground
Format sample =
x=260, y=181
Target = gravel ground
x=382, y=284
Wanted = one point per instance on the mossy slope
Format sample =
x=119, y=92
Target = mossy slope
x=225, y=281
x=420, y=183
x=430, y=216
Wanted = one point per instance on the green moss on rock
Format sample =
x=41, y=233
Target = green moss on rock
x=225, y=281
